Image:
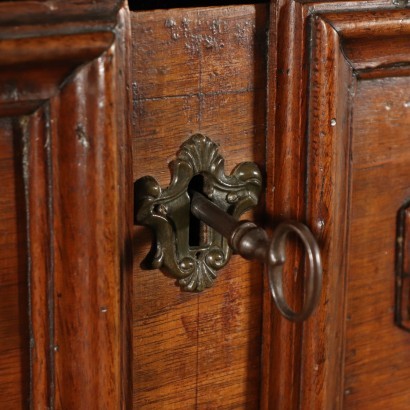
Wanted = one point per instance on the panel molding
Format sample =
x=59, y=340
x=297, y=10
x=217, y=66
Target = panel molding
x=34, y=68
x=309, y=144
x=22, y=14
x=69, y=89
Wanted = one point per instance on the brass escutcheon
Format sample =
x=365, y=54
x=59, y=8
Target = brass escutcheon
x=168, y=212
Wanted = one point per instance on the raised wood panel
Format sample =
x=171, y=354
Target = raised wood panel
x=14, y=306
x=197, y=70
x=377, y=352
x=321, y=372
x=67, y=85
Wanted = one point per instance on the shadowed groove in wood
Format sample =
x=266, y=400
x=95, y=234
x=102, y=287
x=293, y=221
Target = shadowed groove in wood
x=66, y=161
x=337, y=45
x=138, y=5
x=14, y=318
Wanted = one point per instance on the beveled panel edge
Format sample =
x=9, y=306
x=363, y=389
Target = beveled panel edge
x=307, y=37
x=53, y=382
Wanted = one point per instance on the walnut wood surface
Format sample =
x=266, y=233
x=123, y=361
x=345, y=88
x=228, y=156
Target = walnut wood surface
x=336, y=156
x=37, y=143
x=377, y=352
x=90, y=191
x=23, y=13
x=14, y=318
x=65, y=206
x=314, y=96
x=197, y=70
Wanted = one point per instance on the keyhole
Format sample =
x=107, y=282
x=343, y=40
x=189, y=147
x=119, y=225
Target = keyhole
x=196, y=227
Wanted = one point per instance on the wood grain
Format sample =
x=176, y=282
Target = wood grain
x=36, y=138
x=14, y=316
x=285, y=162
x=327, y=213
x=39, y=12
x=90, y=202
x=377, y=352
x=197, y=70
x=312, y=82
x=34, y=66
x=67, y=183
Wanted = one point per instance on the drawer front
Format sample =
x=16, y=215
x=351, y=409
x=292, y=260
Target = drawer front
x=197, y=70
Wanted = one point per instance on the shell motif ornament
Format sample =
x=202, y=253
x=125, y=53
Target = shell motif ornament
x=183, y=248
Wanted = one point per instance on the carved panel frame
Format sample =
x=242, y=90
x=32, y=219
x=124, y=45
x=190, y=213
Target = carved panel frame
x=66, y=83
x=309, y=139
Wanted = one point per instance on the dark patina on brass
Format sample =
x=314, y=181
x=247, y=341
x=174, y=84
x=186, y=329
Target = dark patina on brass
x=252, y=242
x=168, y=212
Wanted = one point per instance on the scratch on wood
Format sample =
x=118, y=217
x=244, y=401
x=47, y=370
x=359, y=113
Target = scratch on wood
x=245, y=32
x=82, y=136
x=198, y=34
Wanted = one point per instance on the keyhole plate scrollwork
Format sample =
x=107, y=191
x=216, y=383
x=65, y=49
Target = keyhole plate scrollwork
x=168, y=212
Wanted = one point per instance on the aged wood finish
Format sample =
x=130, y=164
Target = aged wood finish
x=402, y=285
x=27, y=14
x=14, y=331
x=315, y=116
x=197, y=70
x=39, y=228
x=377, y=352
x=73, y=208
x=336, y=156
